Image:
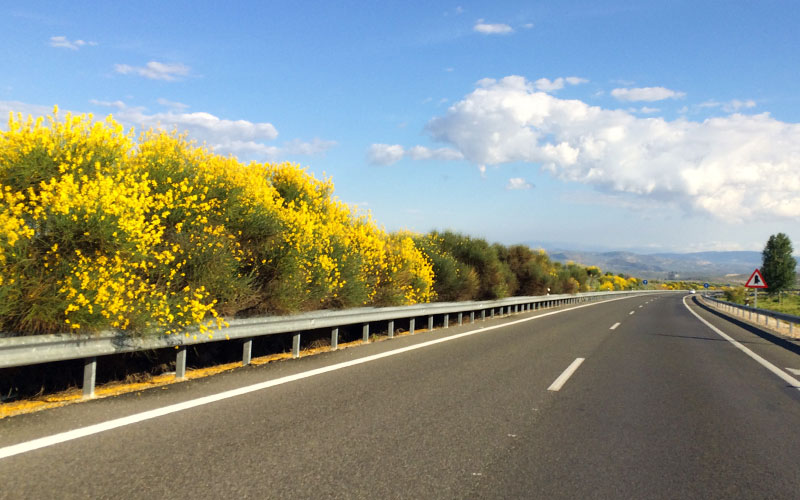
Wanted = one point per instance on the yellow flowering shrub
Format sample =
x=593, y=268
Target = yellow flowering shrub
x=99, y=230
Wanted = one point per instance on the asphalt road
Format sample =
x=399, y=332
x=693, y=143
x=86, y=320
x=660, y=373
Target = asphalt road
x=660, y=407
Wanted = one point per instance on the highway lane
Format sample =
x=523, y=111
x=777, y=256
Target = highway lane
x=661, y=407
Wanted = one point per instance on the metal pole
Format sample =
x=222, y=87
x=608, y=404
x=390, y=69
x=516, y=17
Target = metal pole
x=247, y=351
x=446, y=321
x=411, y=326
x=180, y=363
x=365, y=333
x=335, y=338
x=391, y=329
x=460, y=319
x=89, y=376
x=430, y=322
x=296, y=345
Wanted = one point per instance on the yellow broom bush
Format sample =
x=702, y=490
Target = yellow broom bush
x=101, y=230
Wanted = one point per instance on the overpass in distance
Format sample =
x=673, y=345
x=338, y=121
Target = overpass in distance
x=639, y=397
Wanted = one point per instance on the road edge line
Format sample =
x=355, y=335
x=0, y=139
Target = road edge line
x=763, y=362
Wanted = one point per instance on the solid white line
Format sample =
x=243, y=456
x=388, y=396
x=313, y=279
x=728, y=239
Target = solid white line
x=793, y=370
x=614, y=326
x=562, y=379
x=62, y=437
x=763, y=362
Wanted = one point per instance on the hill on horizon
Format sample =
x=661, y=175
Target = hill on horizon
x=725, y=266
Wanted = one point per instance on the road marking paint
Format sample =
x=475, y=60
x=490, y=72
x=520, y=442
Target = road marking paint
x=614, y=326
x=35, y=444
x=640, y=307
x=562, y=379
x=763, y=362
x=794, y=371
x=631, y=313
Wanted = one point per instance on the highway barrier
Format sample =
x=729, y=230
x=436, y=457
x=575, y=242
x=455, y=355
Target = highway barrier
x=747, y=312
x=38, y=349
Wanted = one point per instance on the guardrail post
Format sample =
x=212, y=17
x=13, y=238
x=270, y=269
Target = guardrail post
x=430, y=322
x=391, y=328
x=365, y=333
x=483, y=314
x=89, y=376
x=472, y=317
x=460, y=319
x=446, y=321
x=493, y=313
x=180, y=363
x=334, y=338
x=411, y=325
x=247, y=351
x=296, y=345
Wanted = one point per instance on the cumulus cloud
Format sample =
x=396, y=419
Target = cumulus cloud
x=734, y=167
x=155, y=70
x=518, y=184
x=238, y=137
x=492, y=29
x=731, y=106
x=387, y=154
x=546, y=85
x=648, y=94
x=64, y=43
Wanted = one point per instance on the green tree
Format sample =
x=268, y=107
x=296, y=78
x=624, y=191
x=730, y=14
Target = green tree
x=777, y=264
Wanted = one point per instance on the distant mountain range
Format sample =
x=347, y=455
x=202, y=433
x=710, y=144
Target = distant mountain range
x=725, y=267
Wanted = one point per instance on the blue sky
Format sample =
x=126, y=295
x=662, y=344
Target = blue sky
x=648, y=126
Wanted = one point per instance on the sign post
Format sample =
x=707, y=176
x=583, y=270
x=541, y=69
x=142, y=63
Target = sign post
x=756, y=281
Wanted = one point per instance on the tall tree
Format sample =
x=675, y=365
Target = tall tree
x=777, y=264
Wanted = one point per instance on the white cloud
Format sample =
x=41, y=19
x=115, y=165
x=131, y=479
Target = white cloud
x=648, y=94
x=172, y=104
x=546, y=85
x=388, y=154
x=492, y=29
x=242, y=138
x=385, y=154
x=648, y=110
x=518, y=183
x=155, y=70
x=64, y=43
x=731, y=106
x=527, y=26
x=736, y=167
x=574, y=80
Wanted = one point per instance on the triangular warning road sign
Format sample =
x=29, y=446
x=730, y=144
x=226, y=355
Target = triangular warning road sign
x=756, y=280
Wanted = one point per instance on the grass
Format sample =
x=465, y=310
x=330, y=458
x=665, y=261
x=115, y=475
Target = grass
x=788, y=304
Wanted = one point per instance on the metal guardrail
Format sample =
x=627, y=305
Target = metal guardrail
x=740, y=310
x=37, y=349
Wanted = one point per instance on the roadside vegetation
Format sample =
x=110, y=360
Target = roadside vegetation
x=100, y=229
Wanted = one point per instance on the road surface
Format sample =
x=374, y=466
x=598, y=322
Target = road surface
x=631, y=398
